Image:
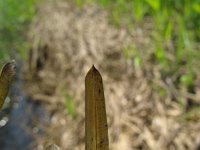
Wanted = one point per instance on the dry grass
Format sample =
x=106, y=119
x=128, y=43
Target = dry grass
x=66, y=41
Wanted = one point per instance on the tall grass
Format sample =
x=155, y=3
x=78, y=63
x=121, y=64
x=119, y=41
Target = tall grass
x=174, y=21
x=14, y=18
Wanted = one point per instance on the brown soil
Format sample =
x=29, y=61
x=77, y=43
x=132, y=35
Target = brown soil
x=66, y=42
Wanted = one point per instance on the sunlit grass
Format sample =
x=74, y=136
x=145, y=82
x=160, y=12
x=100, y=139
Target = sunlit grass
x=70, y=105
x=176, y=22
x=14, y=19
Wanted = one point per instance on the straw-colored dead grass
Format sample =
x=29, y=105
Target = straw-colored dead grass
x=66, y=41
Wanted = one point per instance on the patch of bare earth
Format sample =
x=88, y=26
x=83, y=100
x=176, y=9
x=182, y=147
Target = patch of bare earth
x=66, y=42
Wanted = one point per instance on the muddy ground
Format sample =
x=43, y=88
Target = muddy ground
x=65, y=42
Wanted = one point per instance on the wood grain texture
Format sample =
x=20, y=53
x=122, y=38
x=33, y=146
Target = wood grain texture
x=7, y=76
x=96, y=127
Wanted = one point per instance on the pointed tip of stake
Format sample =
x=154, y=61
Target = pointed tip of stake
x=93, y=70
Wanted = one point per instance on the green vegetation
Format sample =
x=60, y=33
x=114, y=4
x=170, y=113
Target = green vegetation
x=14, y=18
x=175, y=33
x=70, y=106
x=174, y=22
x=174, y=27
x=193, y=114
x=69, y=103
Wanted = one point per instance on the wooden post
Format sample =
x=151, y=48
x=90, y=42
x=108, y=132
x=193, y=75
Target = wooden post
x=7, y=76
x=96, y=128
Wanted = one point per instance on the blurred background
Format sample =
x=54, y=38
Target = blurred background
x=146, y=50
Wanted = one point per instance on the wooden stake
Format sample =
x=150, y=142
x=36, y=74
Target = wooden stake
x=7, y=76
x=96, y=127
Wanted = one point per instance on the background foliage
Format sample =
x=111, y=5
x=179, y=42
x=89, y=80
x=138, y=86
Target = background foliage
x=175, y=33
x=175, y=23
x=14, y=18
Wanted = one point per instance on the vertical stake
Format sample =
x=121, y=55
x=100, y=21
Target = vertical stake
x=96, y=128
x=7, y=76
